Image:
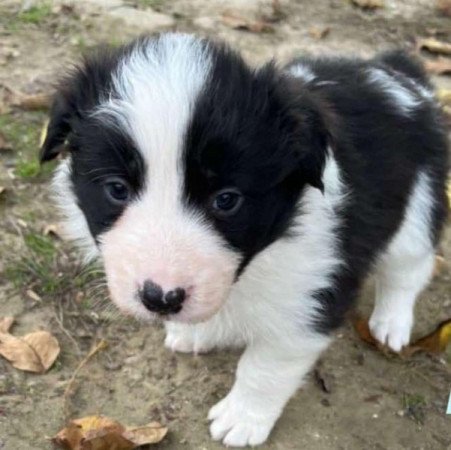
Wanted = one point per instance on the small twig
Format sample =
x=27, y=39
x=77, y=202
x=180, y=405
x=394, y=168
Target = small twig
x=66, y=332
x=68, y=392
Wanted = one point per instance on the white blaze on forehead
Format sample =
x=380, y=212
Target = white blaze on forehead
x=157, y=85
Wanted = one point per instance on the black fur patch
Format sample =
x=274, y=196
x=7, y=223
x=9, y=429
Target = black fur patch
x=380, y=153
x=98, y=149
x=258, y=132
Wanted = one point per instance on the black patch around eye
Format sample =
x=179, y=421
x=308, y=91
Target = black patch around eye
x=239, y=137
x=107, y=173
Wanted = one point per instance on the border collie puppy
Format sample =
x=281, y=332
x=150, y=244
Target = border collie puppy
x=245, y=207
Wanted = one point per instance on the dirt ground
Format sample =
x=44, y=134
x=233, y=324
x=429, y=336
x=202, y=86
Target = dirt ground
x=368, y=400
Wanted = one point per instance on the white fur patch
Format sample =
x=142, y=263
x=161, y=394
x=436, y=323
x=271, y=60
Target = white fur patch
x=404, y=270
x=302, y=71
x=403, y=98
x=75, y=226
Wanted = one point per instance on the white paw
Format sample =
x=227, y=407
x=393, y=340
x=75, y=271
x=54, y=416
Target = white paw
x=392, y=330
x=179, y=342
x=236, y=424
x=182, y=338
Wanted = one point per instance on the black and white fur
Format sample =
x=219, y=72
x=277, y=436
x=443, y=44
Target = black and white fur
x=339, y=167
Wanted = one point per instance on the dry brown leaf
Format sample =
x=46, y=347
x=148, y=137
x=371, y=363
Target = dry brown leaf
x=318, y=32
x=34, y=352
x=148, y=434
x=103, y=433
x=5, y=324
x=237, y=22
x=368, y=4
x=435, y=342
x=444, y=6
x=440, y=66
x=363, y=330
x=434, y=46
x=32, y=295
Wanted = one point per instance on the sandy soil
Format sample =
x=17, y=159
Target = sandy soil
x=373, y=401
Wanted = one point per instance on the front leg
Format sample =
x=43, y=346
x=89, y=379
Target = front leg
x=268, y=374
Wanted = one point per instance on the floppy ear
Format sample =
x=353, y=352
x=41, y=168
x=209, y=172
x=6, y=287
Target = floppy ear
x=313, y=159
x=316, y=125
x=57, y=129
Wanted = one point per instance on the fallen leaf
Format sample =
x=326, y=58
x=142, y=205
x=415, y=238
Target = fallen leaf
x=318, y=32
x=363, y=330
x=373, y=398
x=33, y=296
x=236, y=22
x=103, y=433
x=34, y=352
x=368, y=4
x=435, y=342
x=440, y=66
x=434, y=46
x=5, y=324
x=44, y=130
x=444, y=6
x=148, y=434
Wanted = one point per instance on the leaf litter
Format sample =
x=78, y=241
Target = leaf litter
x=435, y=342
x=33, y=352
x=103, y=433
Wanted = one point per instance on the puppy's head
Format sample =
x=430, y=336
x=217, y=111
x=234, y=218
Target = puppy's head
x=182, y=165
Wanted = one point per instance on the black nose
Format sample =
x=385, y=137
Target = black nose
x=155, y=300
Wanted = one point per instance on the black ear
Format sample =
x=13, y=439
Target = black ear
x=317, y=125
x=57, y=129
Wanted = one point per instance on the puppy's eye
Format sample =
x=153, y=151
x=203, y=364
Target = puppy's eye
x=117, y=191
x=227, y=202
